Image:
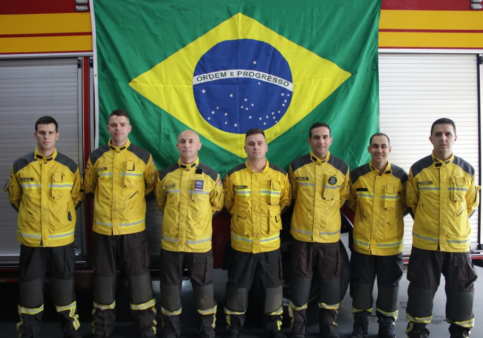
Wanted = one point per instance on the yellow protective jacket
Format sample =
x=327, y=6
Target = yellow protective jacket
x=379, y=203
x=443, y=195
x=320, y=188
x=120, y=179
x=45, y=191
x=188, y=195
x=255, y=201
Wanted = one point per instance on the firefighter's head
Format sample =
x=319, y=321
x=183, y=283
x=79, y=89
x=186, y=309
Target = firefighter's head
x=379, y=148
x=188, y=146
x=320, y=139
x=119, y=127
x=46, y=133
x=255, y=144
x=443, y=136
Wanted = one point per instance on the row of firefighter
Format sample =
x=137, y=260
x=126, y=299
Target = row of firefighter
x=440, y=193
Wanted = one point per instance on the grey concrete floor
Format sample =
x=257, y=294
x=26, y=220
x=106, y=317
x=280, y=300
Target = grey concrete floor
x=253, y=328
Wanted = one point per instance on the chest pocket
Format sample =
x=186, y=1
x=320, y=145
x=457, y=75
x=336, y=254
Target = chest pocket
x=198, y=192
x=390, y=197
x=330, y=187
x=131, y=177
x=458, y=189
x=57, y=186
x=275, y=192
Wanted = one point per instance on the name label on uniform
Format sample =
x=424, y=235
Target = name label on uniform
x=101, y=169
x=27, y=179
x=425, y=182
x=302, y=178
x=169, y=186
x=362, y=189
x=199, y=185
x=241, y=186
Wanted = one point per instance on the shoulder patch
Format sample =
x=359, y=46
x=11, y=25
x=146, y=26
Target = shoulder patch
x=96, y=154
x=338, y=164
x=23, y=161
x=277, y=168
x=144, y=155
x=399, y=173
x=208, y=171
x=423, y=163
x=68, y=162
x=168, y=170
x=464, y=165
x=358, y=172
x=300, y=162
x=237, y=168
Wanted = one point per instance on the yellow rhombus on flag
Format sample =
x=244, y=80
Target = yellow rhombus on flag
x=169, y=84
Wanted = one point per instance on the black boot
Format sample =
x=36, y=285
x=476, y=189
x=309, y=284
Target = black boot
x=457, y=331
x=298, y=323
x=361, y=324
x=207, y=329
x=171, y=326
x=235, y=325
x=273, y=325
x=327, y=323
x=387, y=326
x=417, y=330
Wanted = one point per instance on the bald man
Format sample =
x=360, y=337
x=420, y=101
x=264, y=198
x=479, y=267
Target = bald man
x=189, y=193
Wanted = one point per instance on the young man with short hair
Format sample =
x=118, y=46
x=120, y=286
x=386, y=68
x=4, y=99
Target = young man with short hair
x=443, y=194
x=378, y=198
x=45, y=188
x=256, y=193
x=121, y=176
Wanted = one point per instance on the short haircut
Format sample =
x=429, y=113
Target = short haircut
x=317, y=125
x=443, y=120
x=119, y=112
x=380, y=134
x=47, y=120
x=254, y=131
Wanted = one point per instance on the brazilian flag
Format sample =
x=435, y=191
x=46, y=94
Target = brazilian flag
x=223, y=67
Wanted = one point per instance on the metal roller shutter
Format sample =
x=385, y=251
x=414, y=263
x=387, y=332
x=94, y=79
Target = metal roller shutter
x=416, y=90
x=30, y=89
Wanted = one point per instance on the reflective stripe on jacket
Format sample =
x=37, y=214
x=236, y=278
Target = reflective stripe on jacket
x=255, y=201
x=443, y=195
x=45, y=191
x=189, y=196
x=320, y=188
x=120, y=179
x=378, y=201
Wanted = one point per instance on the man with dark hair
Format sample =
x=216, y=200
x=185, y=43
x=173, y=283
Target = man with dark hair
x=45, y=188
x=320, y=186
x=256, y=194
x=378, y=198
x=121, y=178
x=443, y=194
x=189, y=193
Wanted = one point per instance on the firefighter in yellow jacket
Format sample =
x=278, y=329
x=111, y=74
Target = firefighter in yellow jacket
x=121, y=176
x=189, y=193
x=320, y=186
x=443, y=195
x=378, y=198
x=256, y=192
x=45, y=188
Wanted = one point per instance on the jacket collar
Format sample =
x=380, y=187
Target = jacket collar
x=318, y=160
x=188, y=167
x=118, y=149
x=264, y=170
x=440, y=163
x=386, y=171
x=39, y=156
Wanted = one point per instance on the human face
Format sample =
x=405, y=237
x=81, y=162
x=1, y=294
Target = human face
x=256, y=147
x=379, y=149
x=188, y=146
x=443, y=138
x=320, y=141
x=46, y=137
x=119, y=128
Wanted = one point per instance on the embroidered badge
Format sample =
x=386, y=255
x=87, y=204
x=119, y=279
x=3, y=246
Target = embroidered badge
x=332, y=180
x=199, y=185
